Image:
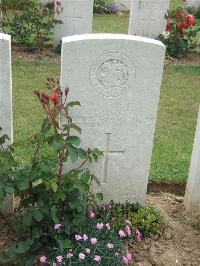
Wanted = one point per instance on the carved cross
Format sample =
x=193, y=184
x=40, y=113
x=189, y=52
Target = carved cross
x=107, y=154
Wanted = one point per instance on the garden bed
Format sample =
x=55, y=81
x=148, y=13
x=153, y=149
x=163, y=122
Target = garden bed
x=178, y=244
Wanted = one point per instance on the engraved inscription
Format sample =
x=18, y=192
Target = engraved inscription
x=111, y=74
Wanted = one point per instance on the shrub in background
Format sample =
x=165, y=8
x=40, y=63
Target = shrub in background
x=50, y=199
x=145, y=218
x=113, y=8
x=181, y=33
x=32, y=26
x=105, y=7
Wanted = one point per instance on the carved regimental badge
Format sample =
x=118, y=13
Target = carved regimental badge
x=111, y=74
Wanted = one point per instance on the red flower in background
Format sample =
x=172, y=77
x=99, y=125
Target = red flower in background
x=183, y=25
x=191, y=19
x=168, y=26
x=54, y=97
x=182, y=14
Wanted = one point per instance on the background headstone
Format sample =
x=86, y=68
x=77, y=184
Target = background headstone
x=117, y=80
x=77, y=18
x=192, y=193
x=192, y=3
x=147, y=17
x=6, y=122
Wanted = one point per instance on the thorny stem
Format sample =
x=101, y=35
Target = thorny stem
x=82, y=163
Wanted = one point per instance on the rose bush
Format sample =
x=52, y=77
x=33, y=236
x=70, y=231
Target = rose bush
x=53, y=202
x=31, y=26
x=181, y=32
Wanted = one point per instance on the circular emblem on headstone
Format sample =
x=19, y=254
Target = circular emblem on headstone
x=112, y=74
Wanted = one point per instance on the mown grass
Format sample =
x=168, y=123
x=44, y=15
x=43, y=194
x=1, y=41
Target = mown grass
x=180, y=99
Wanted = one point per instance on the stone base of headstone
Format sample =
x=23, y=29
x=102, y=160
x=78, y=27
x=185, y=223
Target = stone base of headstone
x=8, y=205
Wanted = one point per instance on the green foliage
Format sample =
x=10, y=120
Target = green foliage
x=14, y=4
x=30, y=27
x=101, y=6
x=194, y=10
x=144, y=218
x=182, y=33
x=48, y=194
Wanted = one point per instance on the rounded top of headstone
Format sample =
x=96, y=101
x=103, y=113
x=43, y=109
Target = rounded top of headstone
x=110, y=36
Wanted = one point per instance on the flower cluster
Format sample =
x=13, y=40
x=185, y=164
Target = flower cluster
x=181, y=33
x=180, y=19
x=128, y=231
x=113, y=8
x=98, y=245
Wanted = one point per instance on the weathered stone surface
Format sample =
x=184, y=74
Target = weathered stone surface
x=147, y=17
x=192, y=3
x=117, y=80
x=192, y=194
x=77, y=17
x=6, y=122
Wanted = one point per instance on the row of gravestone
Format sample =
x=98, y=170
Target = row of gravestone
x=126, y=4
x=117, y=79
x=147, y=18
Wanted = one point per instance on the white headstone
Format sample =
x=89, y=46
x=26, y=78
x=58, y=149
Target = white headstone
x=6, y=122
x=147, y=17
x=192, y=3
x=77, y=18
x=192, y=193
x=117, y=80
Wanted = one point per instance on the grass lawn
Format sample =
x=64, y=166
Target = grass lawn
x=180, y=97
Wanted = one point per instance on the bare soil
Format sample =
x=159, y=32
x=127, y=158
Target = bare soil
x=179, y=243
x=48, y=53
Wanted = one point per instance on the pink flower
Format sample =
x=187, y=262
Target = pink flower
x=128, y=230
x=57, y=227
x=97, y=258
x=81, y=256
x=121, y=233
x=93, y=241
x=110, y=246
x=108, y=226
x=43, y=259
x=69, y=255
x=116, y=254
x=129, y=256
x=100, y=226
x=138, y=234
x=125, y=260
x=109, y=206
x=128, y=222
x=85, y=237
x=78, y=237
x=87, y=250
x=59, y=259
x=91, y=214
